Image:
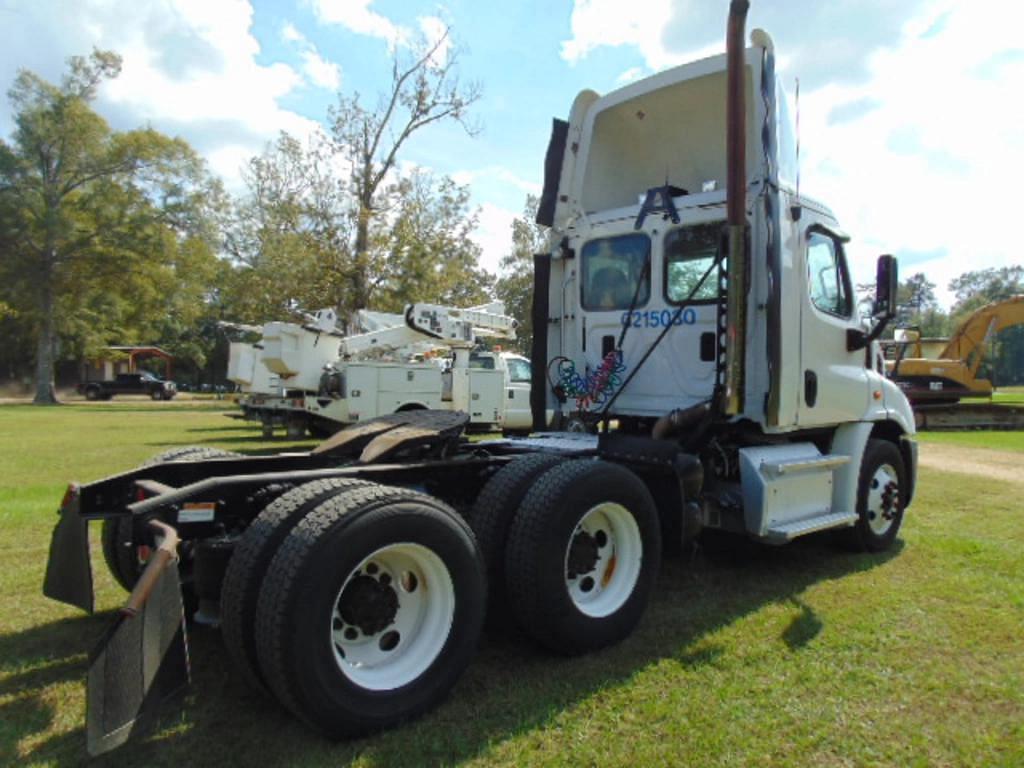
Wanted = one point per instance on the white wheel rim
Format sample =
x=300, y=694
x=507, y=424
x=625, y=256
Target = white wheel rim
x=421, y=608
x=602, y=573
x=883, y=499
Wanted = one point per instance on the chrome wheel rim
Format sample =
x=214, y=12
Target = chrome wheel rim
x=883, y=501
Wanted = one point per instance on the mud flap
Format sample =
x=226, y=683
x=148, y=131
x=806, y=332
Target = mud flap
x=68, y=570
x=140, y=663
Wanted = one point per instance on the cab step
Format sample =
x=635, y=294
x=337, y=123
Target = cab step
x=788, y=531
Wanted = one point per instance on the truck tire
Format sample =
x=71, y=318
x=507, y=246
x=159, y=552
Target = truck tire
x=582, y=556
x=92, y=393
x=155, y=394
x=491, y=518
x=880, y=498
x=116, y=533
x=250, y=561
x=123, y=563
x=371, y=610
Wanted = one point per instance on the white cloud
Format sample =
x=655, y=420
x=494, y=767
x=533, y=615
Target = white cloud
x=318, y=70
x=630, y=75
x=356, y=16
x=496, y=174
x=190, y=68
x=494, y=235
x=928, y=169
x=291, y=35
x=322, y=73
x=612, y=23
x=435, y=32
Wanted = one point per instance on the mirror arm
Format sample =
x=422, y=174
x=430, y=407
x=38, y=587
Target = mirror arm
x=857, y=339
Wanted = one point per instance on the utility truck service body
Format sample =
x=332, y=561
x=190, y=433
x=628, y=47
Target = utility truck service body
x=493, y=388
x=377, y=376
x=709, y=337
x=312, y=376
x=275, y=374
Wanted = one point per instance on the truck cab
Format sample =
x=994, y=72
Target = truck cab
x=514, y=386
x=637, y=281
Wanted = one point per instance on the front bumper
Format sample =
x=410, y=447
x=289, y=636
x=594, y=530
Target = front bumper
x=908, y=449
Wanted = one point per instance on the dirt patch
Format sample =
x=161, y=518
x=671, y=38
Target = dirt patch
x=985, y=462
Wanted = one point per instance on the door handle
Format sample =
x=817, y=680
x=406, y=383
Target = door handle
x=810, y=388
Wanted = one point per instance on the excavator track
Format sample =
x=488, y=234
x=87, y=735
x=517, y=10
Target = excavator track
x=963, y=416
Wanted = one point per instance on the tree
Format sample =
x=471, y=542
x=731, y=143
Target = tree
x=290, y=234
x=95, y=217
x=430, y=254
x=917, y=306
x=974, y=290
x=515, y=285
x=1004, y=363
x=425, y=89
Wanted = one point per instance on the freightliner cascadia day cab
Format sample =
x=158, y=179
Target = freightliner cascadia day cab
x=694, y=323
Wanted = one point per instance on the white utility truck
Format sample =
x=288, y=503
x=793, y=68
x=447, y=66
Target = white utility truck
x=691, y=306
x=384, y=371
x=313, y=377
x=275, y=374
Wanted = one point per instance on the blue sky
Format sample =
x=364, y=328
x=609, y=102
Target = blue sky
x=910, y=127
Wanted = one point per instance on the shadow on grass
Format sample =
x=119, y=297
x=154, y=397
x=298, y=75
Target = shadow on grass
x=511, y=688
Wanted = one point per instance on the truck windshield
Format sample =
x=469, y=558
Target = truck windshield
x=688, y=254
x=611, y=268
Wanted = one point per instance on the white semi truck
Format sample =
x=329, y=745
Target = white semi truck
x=704, y=325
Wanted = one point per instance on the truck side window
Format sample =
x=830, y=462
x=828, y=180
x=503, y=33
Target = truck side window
x=688, y=254
x=518, y=370
x=826, y=275
x=611, y=268
x=481, y=361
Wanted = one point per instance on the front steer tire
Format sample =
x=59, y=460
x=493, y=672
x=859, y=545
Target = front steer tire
x=881, y=494
x=247, y=568
x=341, y=568
x=582, y=556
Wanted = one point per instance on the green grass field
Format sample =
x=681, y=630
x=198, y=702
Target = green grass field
x=797, y=656
x=1009, y=395
x=992, y=439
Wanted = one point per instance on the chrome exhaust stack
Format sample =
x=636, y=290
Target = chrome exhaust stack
x=737, y=271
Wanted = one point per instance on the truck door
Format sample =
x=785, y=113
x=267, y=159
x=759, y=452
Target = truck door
x=517, y=394
x=833, y=382
x=682, y=371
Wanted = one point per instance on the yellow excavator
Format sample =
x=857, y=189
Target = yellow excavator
x=953, y=374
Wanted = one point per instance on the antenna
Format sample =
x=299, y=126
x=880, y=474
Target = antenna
x=798, y=137
x=796, y=208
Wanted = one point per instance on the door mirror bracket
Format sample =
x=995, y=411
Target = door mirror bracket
x=884, y=309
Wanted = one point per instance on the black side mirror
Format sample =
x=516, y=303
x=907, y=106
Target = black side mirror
x=887, y=283
x=886, y=287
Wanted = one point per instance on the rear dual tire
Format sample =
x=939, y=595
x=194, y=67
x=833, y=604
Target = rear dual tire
x=491, y=519
x=582, y=556
x=248, y=568
x=370, y=611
